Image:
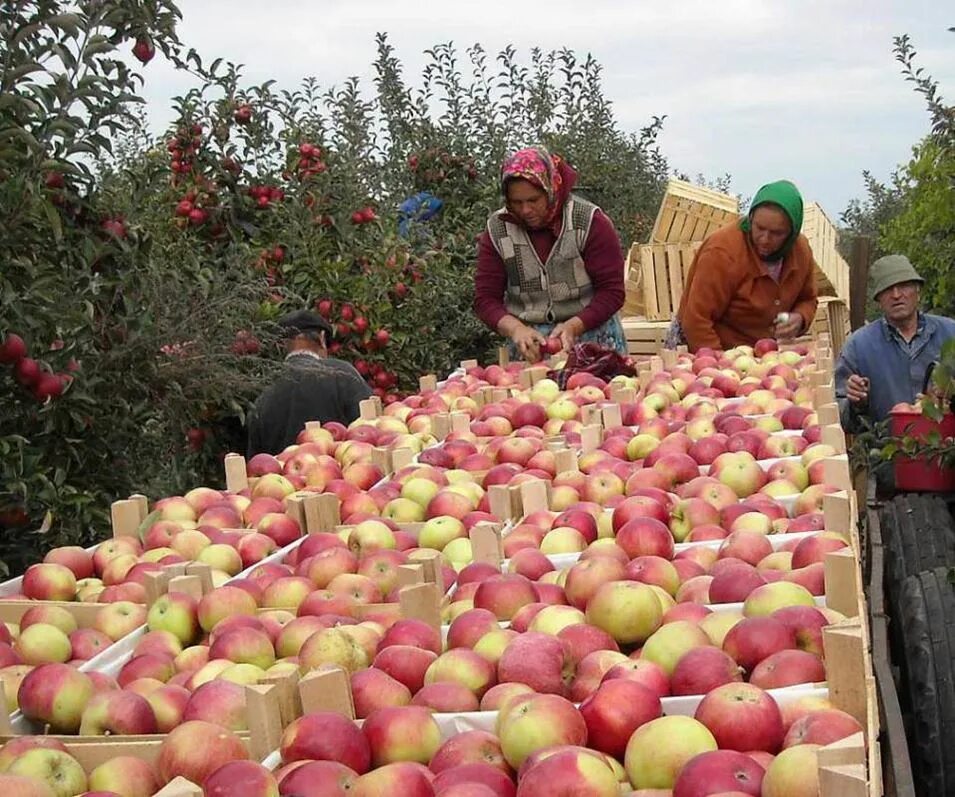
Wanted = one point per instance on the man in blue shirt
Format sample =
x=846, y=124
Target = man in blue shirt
x=884, y=363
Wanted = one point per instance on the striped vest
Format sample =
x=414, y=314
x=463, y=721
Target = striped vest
x=551, y=292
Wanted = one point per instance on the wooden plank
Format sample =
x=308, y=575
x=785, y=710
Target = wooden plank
x=660, y=284
x=265, y=720
x=84, y=613
x=486, y=543
x=179, y=787
x=236, y=475
x=125, y=518
x=843, y=583
x=649, y=280
x=858, y=279
x=327, y=690
x=422, y=602
x=845, y=668
x=322, y=512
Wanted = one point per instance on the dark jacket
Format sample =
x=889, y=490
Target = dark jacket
x=309, y=389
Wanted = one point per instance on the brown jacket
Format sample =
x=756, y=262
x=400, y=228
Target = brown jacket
x=730, y=299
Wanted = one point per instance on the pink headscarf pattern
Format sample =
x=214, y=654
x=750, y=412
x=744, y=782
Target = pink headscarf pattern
x=539, y=167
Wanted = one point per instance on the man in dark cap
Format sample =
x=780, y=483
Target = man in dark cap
x=311, y=387
x=884, y=363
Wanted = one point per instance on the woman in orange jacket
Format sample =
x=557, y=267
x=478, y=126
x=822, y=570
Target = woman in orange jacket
x=752, y=279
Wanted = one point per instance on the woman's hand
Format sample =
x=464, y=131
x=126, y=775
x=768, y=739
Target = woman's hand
x=788, y=325
x=528, y=342
x=568, y=331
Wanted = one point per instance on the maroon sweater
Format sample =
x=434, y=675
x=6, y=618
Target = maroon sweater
x=603, y=260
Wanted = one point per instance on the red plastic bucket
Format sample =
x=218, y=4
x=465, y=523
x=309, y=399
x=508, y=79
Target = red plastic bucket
x=921, y=475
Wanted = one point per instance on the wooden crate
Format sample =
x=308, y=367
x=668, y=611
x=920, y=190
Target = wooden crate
x=690, y=213
x=662, y=270
x=832, y=271
x=644, y=338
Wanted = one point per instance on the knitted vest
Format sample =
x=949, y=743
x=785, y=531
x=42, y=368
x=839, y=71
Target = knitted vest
x=551, y=292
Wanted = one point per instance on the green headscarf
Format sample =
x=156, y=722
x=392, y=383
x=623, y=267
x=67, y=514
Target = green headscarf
x=784, y=194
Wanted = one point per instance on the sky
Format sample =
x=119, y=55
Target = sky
x=757, y=89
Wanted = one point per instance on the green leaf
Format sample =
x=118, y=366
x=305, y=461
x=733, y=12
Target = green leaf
x=147, y=521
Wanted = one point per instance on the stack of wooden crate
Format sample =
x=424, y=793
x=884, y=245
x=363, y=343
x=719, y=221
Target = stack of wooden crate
x=656, y=271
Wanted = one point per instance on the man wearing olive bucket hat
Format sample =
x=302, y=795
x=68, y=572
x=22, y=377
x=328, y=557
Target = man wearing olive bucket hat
x=884, y=363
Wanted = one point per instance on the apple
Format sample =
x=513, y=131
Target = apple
x=42, y=643
x=688, y=513
x=49, y=582
x=20, y=744
x=196, y=749
x=73, y=557
x=373, y=689
x=244, y=646
x=503, y=595
x=794, y=772
x=822, y=726
x=176, y=613
x=670, y=642
x=538, y=721
x=635, y=506
x=807, y=623
x=470, y=747
x=55, y=694
x=322, y=567
x=326, y=736
x=241, y=779
x=57, y=769
x=627, y=610
x=446, y=698
x=535, y=659
x=754, y=638
x=318, y=779
x=645, y=536
x=222, y=602
x=788, y=668
x=764, y=600
x=464, y=667
x=168, y=703
x=473, y=780
x=614, y=711
x=117, y=712
x=412, y=632
x=567, y=772
x=653, y=570
x=742, y=717
x=404, y=778
x=658, y=751
x=332, y=646
x=702, y=669
x=401, y=733
x=719, y=772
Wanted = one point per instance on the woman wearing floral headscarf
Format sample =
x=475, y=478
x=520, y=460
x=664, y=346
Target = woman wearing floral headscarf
x=549, y=264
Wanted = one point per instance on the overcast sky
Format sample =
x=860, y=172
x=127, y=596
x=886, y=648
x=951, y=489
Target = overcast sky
x=759, y=89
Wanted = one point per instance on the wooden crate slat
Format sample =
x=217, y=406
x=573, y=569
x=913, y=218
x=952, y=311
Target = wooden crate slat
x=649, y=292
x=634, y=302
x=660, y=285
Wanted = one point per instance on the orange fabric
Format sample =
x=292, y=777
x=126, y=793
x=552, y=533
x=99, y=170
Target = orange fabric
x=730, y=299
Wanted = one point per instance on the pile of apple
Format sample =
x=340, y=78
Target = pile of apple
x=738, y=742
x=207, y=754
